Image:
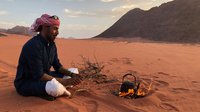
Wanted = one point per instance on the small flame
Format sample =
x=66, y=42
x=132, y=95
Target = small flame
x=142, y=91
x=130, y=92
x=150, y=85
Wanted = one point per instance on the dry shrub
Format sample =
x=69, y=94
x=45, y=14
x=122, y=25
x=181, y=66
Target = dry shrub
x=92, y=70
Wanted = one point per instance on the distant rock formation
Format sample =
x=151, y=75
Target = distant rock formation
x=2, y=30
x=175, y=21
x=2, y=35
x=21, y=30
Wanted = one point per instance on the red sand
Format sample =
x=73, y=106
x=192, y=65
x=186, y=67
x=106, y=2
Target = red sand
x=174, y=67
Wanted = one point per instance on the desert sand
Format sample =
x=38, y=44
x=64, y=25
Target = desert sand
x=174, y=68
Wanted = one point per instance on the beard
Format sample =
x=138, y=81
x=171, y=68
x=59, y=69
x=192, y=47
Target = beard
x=51, y=38
x=50, y=35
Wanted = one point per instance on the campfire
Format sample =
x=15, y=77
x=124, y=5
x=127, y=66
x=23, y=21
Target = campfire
x=134, y=89
x=92, y=73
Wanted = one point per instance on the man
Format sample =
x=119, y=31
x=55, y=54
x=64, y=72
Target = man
x=33, y=77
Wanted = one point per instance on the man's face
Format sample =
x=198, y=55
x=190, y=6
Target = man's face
x=52, y=32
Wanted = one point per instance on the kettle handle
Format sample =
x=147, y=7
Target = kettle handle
x=128, y=74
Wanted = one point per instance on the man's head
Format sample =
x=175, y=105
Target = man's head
x=47, y=26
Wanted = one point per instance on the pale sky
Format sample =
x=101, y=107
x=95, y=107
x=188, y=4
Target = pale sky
x=79, y=18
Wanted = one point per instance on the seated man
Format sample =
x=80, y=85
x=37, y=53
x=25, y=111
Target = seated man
x=33, y=77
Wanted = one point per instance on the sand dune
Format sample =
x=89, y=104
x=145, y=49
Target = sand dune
x=174, y=68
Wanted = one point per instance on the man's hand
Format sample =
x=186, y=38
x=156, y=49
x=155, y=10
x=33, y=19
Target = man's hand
x=71, y=81
x=64, y=71
x=75, y=80
x=78, y=76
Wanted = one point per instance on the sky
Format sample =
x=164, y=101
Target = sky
x=79, y=18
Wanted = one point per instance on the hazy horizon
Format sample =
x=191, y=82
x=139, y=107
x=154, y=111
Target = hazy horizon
x=79, y=18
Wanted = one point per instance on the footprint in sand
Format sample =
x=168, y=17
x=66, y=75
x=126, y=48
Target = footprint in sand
x=83, y=93
x=166, y=74
x=127, y=61
x=155, y=77
x=169, y=107
x=2, y=76
x=162, y=73
x=161, y=83
x=123, y=60
x=114, y=60
x=163, y=97
x=180, y=90
x=3, y=63
x=194, y=82
x=4, y=79
x=91, y=106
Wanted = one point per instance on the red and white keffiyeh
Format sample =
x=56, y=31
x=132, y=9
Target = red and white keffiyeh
x=44, y=20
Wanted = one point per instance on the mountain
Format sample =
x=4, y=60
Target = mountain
x=2, y=30
x=18, y=30
x=21, y=30
x=176, y=21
